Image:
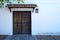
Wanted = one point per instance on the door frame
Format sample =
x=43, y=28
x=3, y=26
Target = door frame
x=22, y=9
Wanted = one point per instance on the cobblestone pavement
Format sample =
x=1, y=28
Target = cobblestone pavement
x=21, y=37
x=34, y=37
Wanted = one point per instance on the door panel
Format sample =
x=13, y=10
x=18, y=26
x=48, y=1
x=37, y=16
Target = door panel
x=26, y=23
x=21, y=22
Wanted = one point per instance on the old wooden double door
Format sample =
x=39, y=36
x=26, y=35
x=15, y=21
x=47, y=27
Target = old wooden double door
x=21, y=22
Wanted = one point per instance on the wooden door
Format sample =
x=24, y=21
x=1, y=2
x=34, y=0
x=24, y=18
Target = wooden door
x=21, y=22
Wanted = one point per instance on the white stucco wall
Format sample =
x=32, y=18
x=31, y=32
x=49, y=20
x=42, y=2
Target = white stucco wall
x=47, y=21
x=5, y=22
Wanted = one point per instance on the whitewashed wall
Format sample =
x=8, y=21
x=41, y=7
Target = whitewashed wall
x=5, y=22
x=47, y=21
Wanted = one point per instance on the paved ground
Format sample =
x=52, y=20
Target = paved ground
x=48, y=37
x=21, y=37
x=29, y=37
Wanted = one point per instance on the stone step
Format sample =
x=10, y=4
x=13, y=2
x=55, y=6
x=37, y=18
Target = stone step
x=21, y=37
